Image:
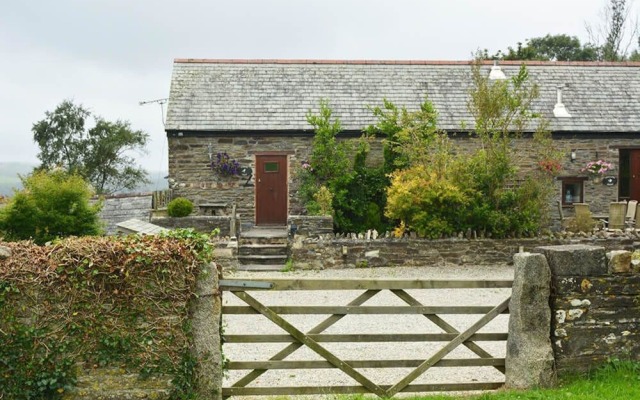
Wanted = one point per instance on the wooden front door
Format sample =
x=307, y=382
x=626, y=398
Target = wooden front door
x=634, y=175
x=271, y=190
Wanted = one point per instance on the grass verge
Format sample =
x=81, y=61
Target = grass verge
x=618, y=380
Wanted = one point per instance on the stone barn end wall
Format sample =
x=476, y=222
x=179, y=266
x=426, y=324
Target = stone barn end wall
x=119, y=208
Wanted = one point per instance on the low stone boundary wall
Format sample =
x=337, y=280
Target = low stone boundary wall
x=204, y=224
x=577, y=302
x=321, y=253
x=595, y=300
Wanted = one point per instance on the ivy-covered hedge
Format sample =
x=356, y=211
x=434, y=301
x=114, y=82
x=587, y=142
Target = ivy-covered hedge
x=97, y=302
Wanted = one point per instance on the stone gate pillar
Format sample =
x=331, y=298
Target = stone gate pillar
x=529, y=361
x=206, y=318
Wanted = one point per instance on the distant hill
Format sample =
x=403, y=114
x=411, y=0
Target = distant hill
x=9, y=172
x=9, y=179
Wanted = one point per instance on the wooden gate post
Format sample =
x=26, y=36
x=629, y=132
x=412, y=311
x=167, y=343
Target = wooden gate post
x=529, y=362
x=205, y=322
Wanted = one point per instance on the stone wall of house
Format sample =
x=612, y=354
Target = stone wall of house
x=329, y=252
x=595, y=304
x=118, y=208
x=192, y=177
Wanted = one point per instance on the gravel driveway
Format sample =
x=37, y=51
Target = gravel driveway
x=252, y=324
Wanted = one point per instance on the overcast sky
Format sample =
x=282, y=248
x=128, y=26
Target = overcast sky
x=111, y=54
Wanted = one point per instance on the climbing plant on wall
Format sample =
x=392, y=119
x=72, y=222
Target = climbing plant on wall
x=99, y=302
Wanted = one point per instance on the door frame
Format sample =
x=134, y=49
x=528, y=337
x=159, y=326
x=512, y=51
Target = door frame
x=634, y=179
x=286, y=155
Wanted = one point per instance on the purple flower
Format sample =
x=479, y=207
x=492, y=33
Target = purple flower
x=225, y=166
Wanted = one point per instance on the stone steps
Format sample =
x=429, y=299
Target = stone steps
x=263, y=249
x=261, y=267
x=262, y=259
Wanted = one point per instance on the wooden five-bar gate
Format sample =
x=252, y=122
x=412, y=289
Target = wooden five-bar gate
x=314, y=338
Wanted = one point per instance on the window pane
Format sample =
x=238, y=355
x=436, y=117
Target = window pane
x=572, y=191
x=271, y=166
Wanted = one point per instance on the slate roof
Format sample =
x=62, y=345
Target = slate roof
x=271, y=95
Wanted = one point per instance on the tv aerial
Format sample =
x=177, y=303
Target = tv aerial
x=161, y=102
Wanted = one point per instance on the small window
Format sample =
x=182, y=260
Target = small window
x=572, y=190
x=271, y=166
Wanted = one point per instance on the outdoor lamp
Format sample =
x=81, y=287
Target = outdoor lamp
x=573, y=155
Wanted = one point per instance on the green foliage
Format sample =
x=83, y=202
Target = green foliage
x=184, y=377
x=551, y=48
x=617, y=380
x=354, y=191
x=32, y=364
x=428, y=204
x=100, y=301
x=581, y=223
x=408, y=135
x=179, y=207
x=615, y=32
x=388, y=125
x=99, y=154
x=324, y=199
x=359, y=200
x=51, y=205
x=502, y=111
x=288, y=266
x=501, y=108
x=441, y=193
x=329, y=157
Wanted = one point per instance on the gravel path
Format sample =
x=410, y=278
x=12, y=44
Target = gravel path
x=352, y=324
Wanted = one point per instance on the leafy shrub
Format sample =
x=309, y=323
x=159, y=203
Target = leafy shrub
x=359, y=201
x=51, y=205
x=179, y=207
x=357, y=192
x=324, y=198
x=426, y=204
x=581, y=223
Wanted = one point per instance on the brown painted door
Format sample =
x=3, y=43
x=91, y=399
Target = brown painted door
x=634, y=175
x=271, y=190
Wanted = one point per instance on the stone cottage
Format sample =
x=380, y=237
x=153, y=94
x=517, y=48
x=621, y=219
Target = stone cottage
x=254, y=112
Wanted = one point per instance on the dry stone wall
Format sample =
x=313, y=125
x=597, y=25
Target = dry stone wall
x=595, y=302
x=327, y=252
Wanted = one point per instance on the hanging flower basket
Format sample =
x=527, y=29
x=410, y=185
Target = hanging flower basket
x=223, y=165
x=597, y=169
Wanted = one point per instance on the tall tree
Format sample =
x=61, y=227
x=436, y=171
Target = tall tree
x=617, y=31
x=100, y=154
x=553, y=48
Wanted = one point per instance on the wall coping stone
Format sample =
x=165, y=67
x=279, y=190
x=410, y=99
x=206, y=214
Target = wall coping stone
x=575, y=259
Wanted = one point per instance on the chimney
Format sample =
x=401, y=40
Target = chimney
x=560, y=111
x=496, y=72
